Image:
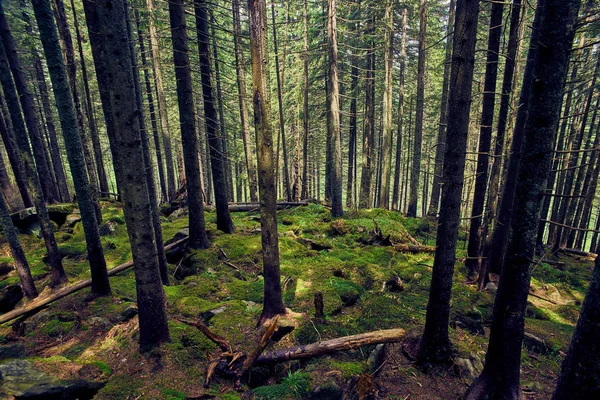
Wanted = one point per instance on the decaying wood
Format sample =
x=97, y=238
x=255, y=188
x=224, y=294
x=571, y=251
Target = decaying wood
x=331, y=346
x=216, y=339
x=411, y=248
x=265, y=340
x=578, y=252
x=542, y=298
x=245, y=207
x=40, y=302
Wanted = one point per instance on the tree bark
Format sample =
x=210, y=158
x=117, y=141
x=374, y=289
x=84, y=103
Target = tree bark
x=397, y=196
x=435, y=343
x=72, y=139
x=189, y=138
x=418, y=139
x=273, y=302
x=305, y=110
x=106, y=20
x=501, y=373
x=217, y=160
x=368, y=148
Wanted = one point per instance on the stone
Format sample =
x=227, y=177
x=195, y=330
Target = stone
x=182, y=234
x=10, y=296
x=72, y=220
x=394, y=284
x=465, y=368
x=23, y=381
x=108, y=228
x=128, y=313
x=289, y=234
x=535, y=344
x=417, y=276
x=13, y=350
x=207, y=315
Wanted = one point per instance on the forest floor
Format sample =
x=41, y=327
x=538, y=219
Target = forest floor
x=75, y=338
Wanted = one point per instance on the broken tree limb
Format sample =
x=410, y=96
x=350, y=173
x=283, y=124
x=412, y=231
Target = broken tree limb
x=39, y=302
x=331, y=346
x=262, y=345
x=411, y=248
x=578, y=252
x=216, y=339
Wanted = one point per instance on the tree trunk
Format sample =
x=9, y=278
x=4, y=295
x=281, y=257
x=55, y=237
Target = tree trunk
x=441, y=138
x=386, y=146
x=305, y=110
x=14, y=159
x=476, y=238
x=106, y=20
x=368, y=149
x=189, y=138
x=273, y=302
x=334, y=115
x=162, y=102
x=95, y=135
x=244, y=116
x=501, y=373
x=397, y=196
x=26, y=100
x=58, y=275
x=217, y=160
x=72, y=139
x=418, y=139
x=435, y=343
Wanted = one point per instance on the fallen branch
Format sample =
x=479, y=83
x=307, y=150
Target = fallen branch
x=38, y=302
x=411, y=248
x=216, y=339
x=542, y=298
x=245, y=207
x=578, y=252
x=331, y=346
x=265, y=340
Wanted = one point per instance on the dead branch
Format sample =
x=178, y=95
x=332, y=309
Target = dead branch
x=216, y=339
x=578, y=252
x=265, y=340
x=411, y=248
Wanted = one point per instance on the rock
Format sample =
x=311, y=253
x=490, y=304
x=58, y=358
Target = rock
x=465, y=368
x=23, y=381
x=491, y=287
x=10, y=296
x=182, y=234
x=207, y=315
x=417, y=276
x=129, y=312
x=289, y=234
x=178, y=213
x=72, y=220
x=394, y=284
x=285, y=326
x=26, y=220
x=108, y=228
x=13, y=350
x=376, y=359
x=535, y=344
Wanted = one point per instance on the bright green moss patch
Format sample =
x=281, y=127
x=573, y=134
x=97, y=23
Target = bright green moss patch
x=349, y=368
x=293, y=386
x=120, y=387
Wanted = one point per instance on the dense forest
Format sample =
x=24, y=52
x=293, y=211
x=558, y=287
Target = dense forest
x=299, y=200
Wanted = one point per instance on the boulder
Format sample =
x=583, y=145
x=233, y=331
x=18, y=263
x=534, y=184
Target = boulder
x=26, y=220
x=108, y=228
x=128, y=313
x=10, y=296
x=535, y=344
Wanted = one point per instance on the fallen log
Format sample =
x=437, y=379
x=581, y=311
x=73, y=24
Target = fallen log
x=331, y=346
x=411, y=248
x=282, y=205
x=38, y=302
x=577, y=252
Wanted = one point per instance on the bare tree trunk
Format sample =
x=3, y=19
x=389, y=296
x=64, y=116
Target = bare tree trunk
x=396, y=196
x=272, y=303
x=386, y=146
x=501, y=374
x=435, y=343
x=73, y=144
x=217, y=160
x=241, y=82
x=418, y=140
x=162, y=102
x=368, y=149
x=106, y=20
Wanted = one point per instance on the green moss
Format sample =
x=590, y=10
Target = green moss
x=102, y=366
x=349, y=368
x=120, y=387
x=295, y=385
x=172, y=394
x=56, y=328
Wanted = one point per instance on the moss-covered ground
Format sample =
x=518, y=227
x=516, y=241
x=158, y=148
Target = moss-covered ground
x=75, y=332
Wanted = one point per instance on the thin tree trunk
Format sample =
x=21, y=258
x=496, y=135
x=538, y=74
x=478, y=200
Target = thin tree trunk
x=368, y=148
x=106, y=20
x=217, y=160
x=501, y=374
x=441, y=138
x=162, y=102
x=418, y=139
x=396, y=196
x=272, y=303
x=435, y=343
x=72, y=139
x=189, y=138
x=386, y=146
x=241, y=82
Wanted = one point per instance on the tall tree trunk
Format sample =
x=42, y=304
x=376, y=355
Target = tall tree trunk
x=368, y=148
x=106, y=20
x=441, y=138
x=189, y=138
x=5, y=184
x=418, y=140
x=396, y=197
x=286, y=173
x=69, y=54
x=485, y=139
x=16, y=251
x=94, y=134
x=58, y=275
x=305, y=109
x=272, y=303
x=501, y=373
x=162, y=102
x=72, y=139
x=353, y=128
x=26, y=100
x=10, y=144
x=245, y=119
x=386, y=146
x=435, y=343
x=334, y=115
x=150, y=97
x=217, y=160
